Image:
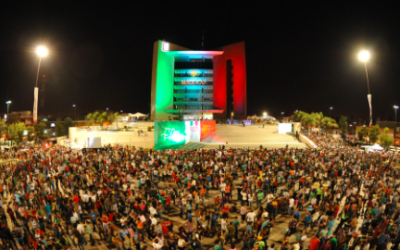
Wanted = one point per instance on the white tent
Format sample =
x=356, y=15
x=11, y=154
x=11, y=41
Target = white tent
x=375, y=147
x=137, y=114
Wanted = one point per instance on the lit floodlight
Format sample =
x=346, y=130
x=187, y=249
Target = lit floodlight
x=364, y=56
x=41, y=51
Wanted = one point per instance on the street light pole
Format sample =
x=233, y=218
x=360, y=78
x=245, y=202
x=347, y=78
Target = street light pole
x=74, y=106
x=369, y=96
x=41, y=51
x=364, y=57
x=395, y=123
x=8, y=104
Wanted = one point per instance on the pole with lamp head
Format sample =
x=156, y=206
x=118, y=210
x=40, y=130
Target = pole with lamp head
x=74, y=106
x=8, y=105
x=395, y=123
x=41, y=52
x=364, y=57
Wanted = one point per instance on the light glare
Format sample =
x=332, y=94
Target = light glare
x=363, y=56
x=41, y=51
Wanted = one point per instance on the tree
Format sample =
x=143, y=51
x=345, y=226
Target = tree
x=298, y=115
x=101, y=118
x=3, y=126
x=343, y=126
x=385, y=139
x=362, y=133
x=116, y=117
x=374, y=133
x=39, y=128
x=67, y=124
x=59, y=127
x=92, y=118
x=31, y=133
x=327, y=123
x=16, y=131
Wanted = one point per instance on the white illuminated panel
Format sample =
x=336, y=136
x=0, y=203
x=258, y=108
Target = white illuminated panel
x=284, y=128
x=165, y=46
x=93, y=142
x=192, y=130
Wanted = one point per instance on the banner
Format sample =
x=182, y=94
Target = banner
x=35, y=104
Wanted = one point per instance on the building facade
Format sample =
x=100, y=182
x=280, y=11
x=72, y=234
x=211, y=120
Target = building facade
x=198, y=84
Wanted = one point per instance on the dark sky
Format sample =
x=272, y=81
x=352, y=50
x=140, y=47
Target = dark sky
x=299, y=55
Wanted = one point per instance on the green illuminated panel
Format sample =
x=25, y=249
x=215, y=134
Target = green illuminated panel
x=165, y=83
x=169, y=134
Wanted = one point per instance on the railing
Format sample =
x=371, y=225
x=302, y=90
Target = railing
x=193, y=83
x=193, y=107
x=193, y=101
x=194, y=91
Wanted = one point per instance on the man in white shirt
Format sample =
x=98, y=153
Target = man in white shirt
x=291, y=205
x=80, y=228
x=250, y=216
x=156, y=244
x=153, y=220
x=152, y=210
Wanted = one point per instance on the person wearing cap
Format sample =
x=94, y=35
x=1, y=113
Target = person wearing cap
x=260, y=243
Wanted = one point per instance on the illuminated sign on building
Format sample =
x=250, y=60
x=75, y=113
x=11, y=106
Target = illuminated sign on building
x=186, y=82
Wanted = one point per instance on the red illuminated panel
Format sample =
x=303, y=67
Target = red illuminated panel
x=207, y=127
x=236, y=53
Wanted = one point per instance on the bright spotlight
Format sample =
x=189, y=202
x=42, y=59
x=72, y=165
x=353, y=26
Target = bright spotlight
x=363, y=56
x=41, y=51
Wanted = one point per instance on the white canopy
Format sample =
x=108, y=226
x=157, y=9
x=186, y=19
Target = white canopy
x=376, y=146
x=137, y=114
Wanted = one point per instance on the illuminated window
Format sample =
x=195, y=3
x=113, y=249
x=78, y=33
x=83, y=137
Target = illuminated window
x=165, y=46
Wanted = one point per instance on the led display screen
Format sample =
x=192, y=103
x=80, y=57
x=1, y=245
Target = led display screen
x=174, y=134
x=284, y=128
x=169, y=134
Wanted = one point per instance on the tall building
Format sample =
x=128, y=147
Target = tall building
x=198, y=84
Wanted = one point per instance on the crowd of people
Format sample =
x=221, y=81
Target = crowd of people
x=62, y=198
x=324, y=140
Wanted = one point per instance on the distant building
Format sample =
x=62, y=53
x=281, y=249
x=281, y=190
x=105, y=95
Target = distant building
x=198, y=84
x=20, y=116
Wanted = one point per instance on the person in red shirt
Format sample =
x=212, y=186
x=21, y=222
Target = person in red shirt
x=217, y=201
x=314, y=243
x=225, y=211
x=76, y=198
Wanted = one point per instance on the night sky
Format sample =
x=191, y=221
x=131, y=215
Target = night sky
x=299, y=55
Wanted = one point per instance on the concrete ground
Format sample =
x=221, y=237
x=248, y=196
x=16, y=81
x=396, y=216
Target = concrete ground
x=232, y=136
x=237, y=136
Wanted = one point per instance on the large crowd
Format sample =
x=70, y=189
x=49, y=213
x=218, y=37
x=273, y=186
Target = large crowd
x=62, y=198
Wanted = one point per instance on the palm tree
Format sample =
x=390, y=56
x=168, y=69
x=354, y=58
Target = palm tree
x=317, y=118
x=308, y=120
x=92, y=118
x=298, y=116
x=328, y=123
x=3, y=126
x=116, y=117
x=101, y=118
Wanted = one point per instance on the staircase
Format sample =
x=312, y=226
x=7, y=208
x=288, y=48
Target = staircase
x=192, y=145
